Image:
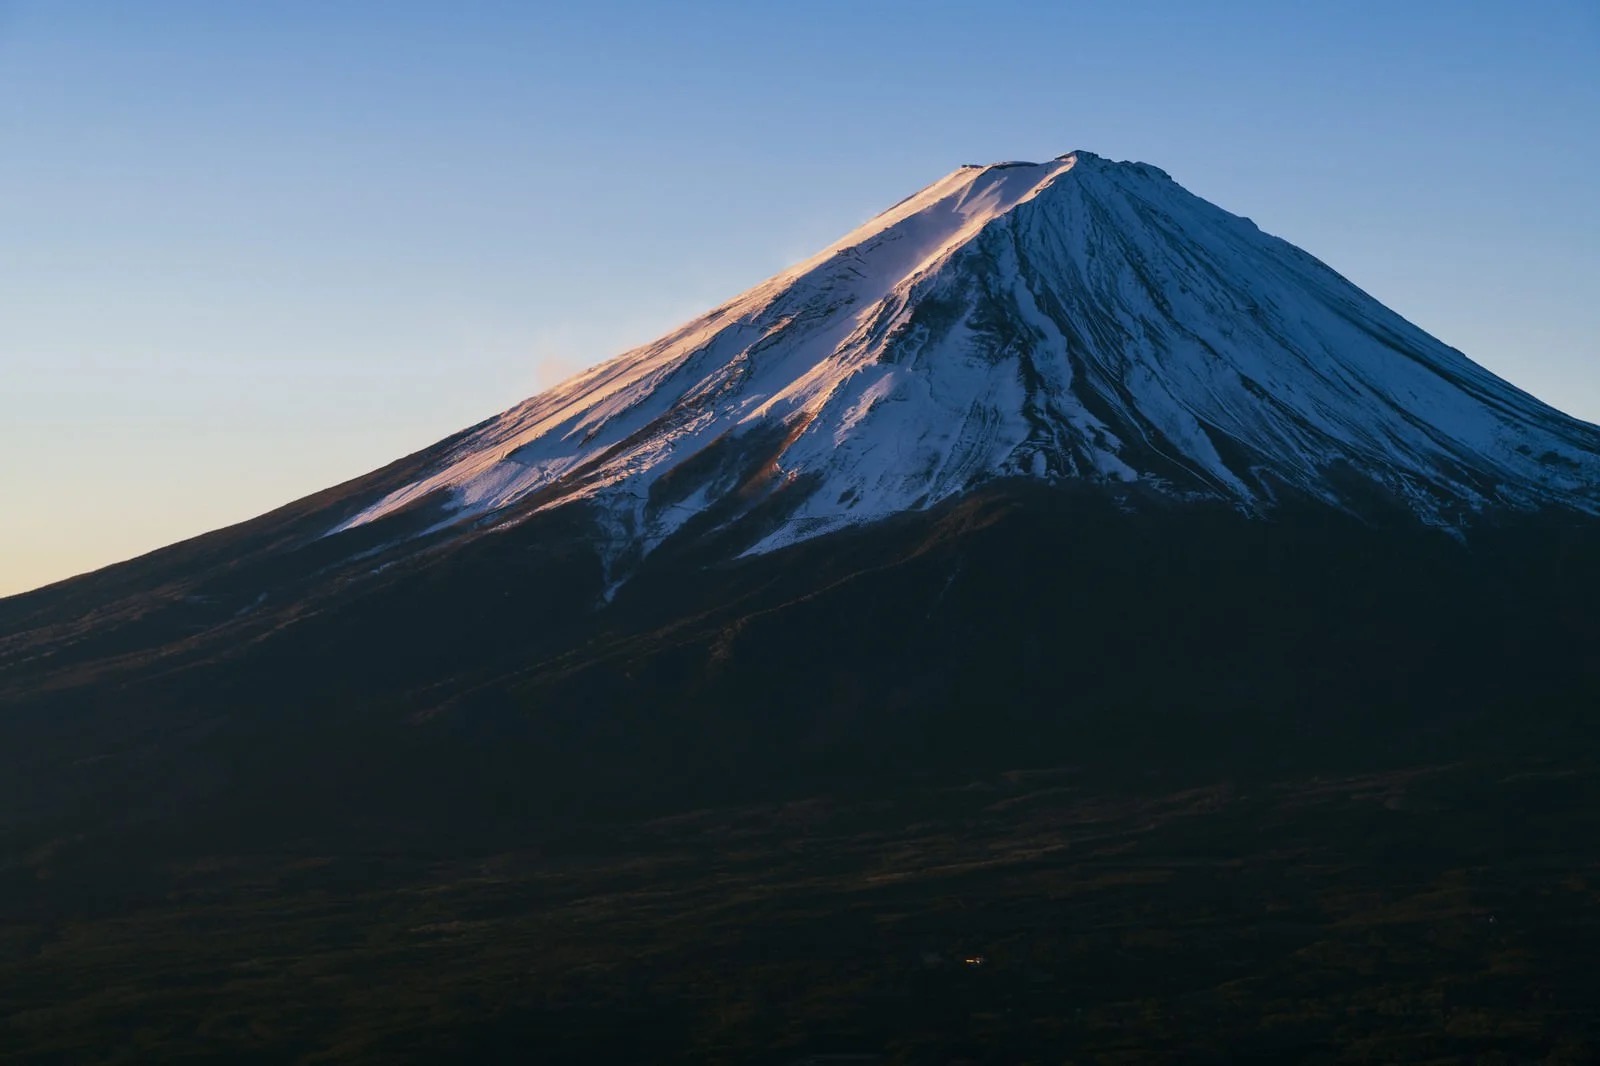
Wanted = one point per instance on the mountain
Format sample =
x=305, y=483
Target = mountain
x=1018, y=358
x=1054, y=551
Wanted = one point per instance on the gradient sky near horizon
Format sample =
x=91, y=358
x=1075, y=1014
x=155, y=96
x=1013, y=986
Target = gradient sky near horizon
x=251, y=250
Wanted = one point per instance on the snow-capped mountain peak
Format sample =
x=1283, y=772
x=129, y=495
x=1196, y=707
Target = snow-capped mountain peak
x=1072, y=319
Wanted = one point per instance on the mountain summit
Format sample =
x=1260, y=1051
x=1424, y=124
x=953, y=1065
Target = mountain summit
x=1074, y=319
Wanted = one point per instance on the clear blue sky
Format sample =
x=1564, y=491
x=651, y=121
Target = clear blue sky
x=251, y=249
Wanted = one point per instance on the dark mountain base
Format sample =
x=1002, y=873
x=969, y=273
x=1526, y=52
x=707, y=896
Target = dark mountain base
x=487, y=684
x=1295, y=767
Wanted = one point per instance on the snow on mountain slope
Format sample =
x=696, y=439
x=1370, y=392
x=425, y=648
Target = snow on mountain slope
x=1072, y=319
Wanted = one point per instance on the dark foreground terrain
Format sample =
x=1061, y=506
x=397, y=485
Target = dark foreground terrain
x=1432, y=914
x=1193, y=787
